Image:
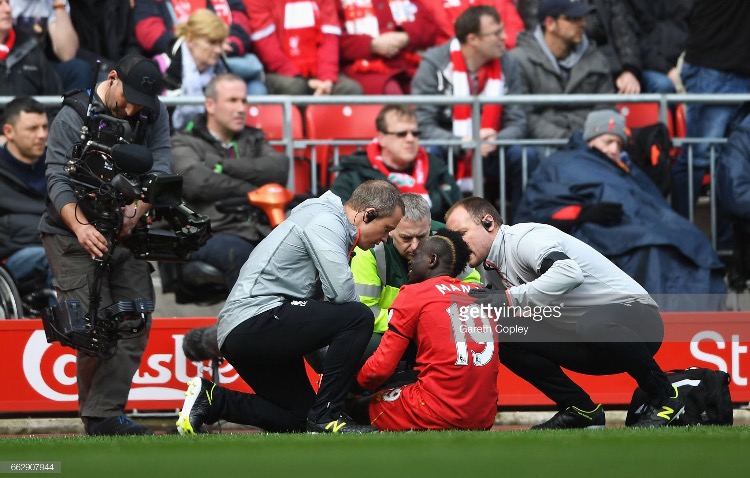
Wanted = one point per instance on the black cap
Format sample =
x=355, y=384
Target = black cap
x=142, y=82
x=569, y=8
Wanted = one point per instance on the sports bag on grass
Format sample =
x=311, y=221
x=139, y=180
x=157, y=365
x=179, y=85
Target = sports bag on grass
x=704, y=392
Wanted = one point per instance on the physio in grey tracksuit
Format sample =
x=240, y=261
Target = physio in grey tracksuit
x=296, y=294
x=582, y=312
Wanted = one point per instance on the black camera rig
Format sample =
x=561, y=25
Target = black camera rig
x=109, y=172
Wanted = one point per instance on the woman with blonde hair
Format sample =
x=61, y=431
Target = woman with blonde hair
x=193, y=59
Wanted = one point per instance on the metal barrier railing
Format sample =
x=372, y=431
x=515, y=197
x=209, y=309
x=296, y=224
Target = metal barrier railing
x=663, y=100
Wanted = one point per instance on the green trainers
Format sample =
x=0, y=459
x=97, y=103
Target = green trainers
x=344, y=424
x=198, y=399
x=664, y=414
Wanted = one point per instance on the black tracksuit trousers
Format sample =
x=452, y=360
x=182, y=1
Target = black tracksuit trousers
x=608, y=339
x=267, y=351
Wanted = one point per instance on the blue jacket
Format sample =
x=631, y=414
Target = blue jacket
x=660, y=249
x=733, y=170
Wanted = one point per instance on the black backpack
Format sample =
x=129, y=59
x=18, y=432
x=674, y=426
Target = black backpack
x=704, y=392
x=649, y=149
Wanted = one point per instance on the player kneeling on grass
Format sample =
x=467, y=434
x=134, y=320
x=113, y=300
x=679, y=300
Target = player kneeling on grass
x=456, y=356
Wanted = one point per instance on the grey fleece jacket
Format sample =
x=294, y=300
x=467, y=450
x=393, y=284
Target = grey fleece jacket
x=588, y=74
x=305, y=257
x=434, y=78
x=64, y=132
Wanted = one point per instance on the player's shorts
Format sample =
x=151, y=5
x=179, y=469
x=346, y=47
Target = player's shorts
x=403, y=408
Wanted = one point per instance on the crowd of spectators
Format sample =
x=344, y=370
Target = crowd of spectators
x=488, y=48
x=232, y=50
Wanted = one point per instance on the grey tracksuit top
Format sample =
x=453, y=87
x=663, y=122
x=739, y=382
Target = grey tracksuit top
x=305, y=257
x=576, y=284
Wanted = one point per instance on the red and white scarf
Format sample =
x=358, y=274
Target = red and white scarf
x=184, y=8
x=491, y=85
x=404, y=182
x=7, y=46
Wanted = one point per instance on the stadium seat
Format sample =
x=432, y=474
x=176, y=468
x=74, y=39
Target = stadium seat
x=638, y=115
x=270, y=118
x=680, y=126
x=339, y=122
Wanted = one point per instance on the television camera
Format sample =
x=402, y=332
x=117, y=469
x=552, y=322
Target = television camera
x=109, y=172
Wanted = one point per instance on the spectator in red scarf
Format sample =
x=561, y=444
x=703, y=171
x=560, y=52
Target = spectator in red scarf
x=475, y=63
x=24, y=69
x=298, y=44
x=380, y=40
x=395, y=155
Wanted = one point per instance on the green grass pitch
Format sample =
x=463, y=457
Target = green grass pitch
x=710, y=452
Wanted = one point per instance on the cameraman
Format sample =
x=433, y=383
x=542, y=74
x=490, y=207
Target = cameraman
x=72, y=242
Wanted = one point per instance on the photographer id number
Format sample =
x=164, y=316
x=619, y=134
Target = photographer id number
x=30, y=467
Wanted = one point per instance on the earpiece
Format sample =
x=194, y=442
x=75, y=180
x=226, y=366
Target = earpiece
x=111, y=82
x=370, y=216
x=487, y=224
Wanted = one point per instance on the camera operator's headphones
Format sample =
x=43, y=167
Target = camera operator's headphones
x=370, y=216
x=487, y=224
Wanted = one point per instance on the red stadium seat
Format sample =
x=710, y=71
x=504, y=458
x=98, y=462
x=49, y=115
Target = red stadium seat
x=339, y=122
x=270, y=118
x=638, y=115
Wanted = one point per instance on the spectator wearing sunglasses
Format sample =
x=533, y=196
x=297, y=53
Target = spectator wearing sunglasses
x=395, y=155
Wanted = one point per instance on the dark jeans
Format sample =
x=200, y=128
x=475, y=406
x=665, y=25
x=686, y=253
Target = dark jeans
x=514, y=173
x=267, y=351
x=608, y=339
x=75, y=74
x=226, y=252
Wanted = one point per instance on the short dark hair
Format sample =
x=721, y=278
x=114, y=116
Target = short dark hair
x=210, y=91
x=477, y=208
x=21, y=104
x=470, y=21
x=450, y=247
x=402, y=111
x=377, y=194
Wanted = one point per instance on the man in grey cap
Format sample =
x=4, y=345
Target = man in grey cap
x=594, y=192
x=74, y=239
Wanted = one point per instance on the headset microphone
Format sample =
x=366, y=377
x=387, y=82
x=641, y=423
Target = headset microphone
x=370, y=216
x=487, y=224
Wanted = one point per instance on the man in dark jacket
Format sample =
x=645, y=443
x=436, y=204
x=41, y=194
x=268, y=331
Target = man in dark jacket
x=592, y=193
x=557, y=58
x=219, y=157
x=23, y=188
x=733, y=193
x=661, y=27
x=395, y=155
x=23, y=67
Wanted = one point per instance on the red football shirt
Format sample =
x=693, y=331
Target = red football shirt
x=456, y=355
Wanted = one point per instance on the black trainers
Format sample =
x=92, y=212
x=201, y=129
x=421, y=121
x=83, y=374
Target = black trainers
x=343, y=425
x=574, y=417
x=198, y=399
x=662, y=415
x=111, y=426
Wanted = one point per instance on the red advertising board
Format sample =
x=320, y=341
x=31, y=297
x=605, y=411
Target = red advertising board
x=40, y=377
